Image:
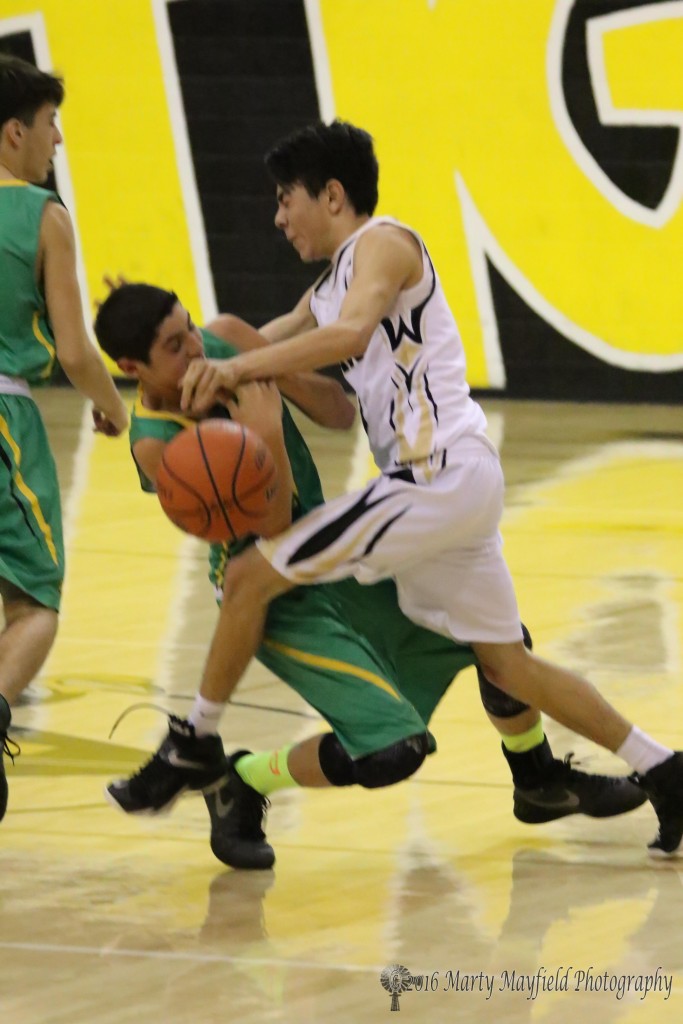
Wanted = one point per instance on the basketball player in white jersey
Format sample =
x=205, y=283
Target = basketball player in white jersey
x=430, y=521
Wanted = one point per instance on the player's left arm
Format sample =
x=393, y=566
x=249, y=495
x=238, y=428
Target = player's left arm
x=258, y=406
x=322, y=399
x=148, y=453
x=387, y=260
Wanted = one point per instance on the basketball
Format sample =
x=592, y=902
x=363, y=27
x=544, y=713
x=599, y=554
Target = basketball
x=217, y=480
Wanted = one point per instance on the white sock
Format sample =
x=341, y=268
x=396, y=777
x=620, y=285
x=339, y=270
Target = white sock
x=641, y=752
x=205, y=716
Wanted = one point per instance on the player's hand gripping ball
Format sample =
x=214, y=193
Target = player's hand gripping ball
x=217, y=480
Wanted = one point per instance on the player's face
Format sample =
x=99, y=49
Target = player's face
x=177, y=343
x=304, y=222
x=39, y=143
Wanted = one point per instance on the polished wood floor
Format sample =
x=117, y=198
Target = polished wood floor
x=108, y=920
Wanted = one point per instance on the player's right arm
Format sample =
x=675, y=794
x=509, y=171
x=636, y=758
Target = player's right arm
x=148, y=453
x=297, y=321
x=321, y=398
x=260, y=409
x=78, y=357
x=387, y=261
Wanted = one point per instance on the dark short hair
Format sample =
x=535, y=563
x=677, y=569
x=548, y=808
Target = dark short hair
x=24, y=89
x=314, y=155
x=128, y=320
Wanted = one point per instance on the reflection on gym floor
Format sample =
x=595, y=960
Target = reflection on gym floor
x=110, y=920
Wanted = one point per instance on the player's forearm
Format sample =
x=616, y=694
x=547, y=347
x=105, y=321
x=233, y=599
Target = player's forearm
x=280, y=514
x=89, y=375
x=294, y=322
x=321, y=398
x=281, y=328
x=323, y=346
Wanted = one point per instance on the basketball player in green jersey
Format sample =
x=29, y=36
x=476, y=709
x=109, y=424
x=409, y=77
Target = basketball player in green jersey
x=347, y=650
x=41, y=322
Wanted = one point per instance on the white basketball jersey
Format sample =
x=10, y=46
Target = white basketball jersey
x=410, y=381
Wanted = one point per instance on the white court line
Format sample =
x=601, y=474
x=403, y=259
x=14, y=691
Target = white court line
x=194, y=218
x=204, y=958
x=128, y=644
x=321, y=62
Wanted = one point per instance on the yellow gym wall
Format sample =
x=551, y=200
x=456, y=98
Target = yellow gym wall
x=464, y=101
x=129, y=204
x=476, y=150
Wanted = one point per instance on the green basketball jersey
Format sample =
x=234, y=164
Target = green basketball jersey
x=27, y=348
x=165, y=425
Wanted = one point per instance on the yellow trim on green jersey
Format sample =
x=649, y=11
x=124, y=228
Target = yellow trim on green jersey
x=143, y=412
x=332, y=664
x=27, y=492
x=219, y=568
x=38, y=334
x=15, y=183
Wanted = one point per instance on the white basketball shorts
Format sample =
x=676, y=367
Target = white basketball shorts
x=439, y=541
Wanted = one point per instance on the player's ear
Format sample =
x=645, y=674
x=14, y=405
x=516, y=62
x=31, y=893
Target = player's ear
x=14, y=130
x=128, y=366
x=335, y=194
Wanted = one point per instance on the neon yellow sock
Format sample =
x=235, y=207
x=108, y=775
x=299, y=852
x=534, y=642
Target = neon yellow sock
x=266, y=772
x=526, y=741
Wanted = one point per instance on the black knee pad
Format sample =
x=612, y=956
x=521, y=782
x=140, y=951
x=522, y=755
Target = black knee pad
x=494, y=700
x=335, y=763
x=392, y=764
x=381, y=768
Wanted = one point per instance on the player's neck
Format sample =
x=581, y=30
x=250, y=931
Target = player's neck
x=347, y=226
x=159, y=400
x=8, y=172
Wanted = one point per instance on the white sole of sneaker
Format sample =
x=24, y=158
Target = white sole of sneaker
x=657, y=854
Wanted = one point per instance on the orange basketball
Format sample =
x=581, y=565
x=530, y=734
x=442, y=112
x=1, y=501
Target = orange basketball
x=217, y=480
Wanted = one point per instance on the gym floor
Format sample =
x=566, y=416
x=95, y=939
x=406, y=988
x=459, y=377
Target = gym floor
x=111, y=920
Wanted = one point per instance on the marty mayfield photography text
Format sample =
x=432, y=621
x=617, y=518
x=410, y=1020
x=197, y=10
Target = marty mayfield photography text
x=564, y=979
